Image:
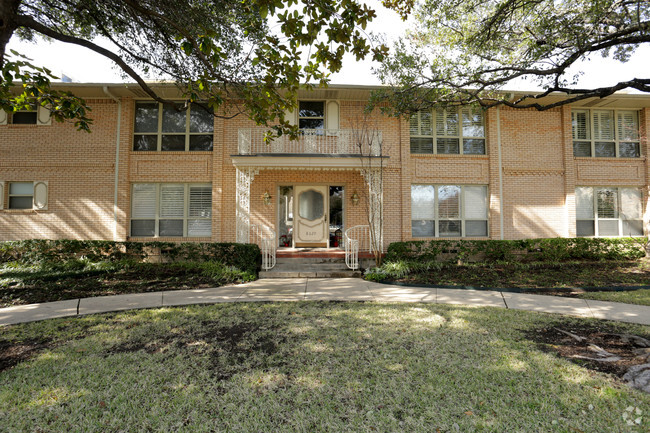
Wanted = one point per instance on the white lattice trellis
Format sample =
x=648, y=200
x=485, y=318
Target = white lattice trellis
x=245, y=177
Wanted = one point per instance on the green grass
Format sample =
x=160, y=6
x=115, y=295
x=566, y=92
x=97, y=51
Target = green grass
x=639, y=297
x=519, y=275
x=308, y=367
x=80, y=278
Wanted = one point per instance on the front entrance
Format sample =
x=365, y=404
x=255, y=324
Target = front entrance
x=316, y=221
x=311, y=226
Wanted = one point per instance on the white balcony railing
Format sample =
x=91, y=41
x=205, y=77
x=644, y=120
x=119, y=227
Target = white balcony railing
x=310, y=141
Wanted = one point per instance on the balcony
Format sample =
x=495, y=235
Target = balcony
x=311, y=142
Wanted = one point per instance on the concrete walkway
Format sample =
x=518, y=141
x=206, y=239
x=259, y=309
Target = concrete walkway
x=313, y=289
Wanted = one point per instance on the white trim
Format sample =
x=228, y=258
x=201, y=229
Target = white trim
x=41, y=191
x=117, y=160
x=2, y=194
x=43, y=116
x=303, y=162
x=3, y=118
x=500, y=165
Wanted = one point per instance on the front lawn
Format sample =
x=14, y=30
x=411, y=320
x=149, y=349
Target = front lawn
x=79, y=278
x=312, y=367
x=639, y=297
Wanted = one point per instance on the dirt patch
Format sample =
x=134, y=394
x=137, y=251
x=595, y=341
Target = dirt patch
x=13, y=353
x=228, y=349
x=555, y=338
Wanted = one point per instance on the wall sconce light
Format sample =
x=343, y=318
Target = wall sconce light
x=355, y=198
x=266, y=197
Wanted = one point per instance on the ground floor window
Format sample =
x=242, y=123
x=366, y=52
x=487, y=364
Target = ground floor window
x=608, y=211
x=449, y=210
x=171, y=210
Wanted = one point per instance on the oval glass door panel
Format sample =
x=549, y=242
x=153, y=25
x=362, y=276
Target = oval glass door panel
x=311, y=205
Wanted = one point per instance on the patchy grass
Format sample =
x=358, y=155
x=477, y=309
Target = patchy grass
x=80, y=278
x=311, y=367
x=521, y=275
x=639, y=297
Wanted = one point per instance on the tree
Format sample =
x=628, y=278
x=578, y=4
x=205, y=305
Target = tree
x=214, y=50
x=467, y=51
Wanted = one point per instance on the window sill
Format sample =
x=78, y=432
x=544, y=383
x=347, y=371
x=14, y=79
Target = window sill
x=171, y=152
x=597, y=158
x=447, y=155
x=169, y=239
x=20, y=211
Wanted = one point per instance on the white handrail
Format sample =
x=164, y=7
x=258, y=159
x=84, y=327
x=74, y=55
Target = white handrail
x=357, y=239
x=310, y=141
x=266, y=239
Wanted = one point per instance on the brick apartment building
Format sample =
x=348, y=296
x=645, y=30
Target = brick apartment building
x=148, y=171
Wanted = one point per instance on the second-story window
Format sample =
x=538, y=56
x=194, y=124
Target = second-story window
x=448, y=131
x=168, y=127
x=311, y=115
x=27, y=116
x=605, y=133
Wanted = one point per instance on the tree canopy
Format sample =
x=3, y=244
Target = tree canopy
x=254, y=53
x=468, y=51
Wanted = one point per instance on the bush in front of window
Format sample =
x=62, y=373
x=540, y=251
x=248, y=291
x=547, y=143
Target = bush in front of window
x=529, y=250
x=245, y=257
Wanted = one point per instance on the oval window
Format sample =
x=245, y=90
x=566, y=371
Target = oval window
x=311, y=205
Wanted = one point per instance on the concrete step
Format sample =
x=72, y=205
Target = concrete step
x=309, y=260
x=309, y=274
x=299, y=267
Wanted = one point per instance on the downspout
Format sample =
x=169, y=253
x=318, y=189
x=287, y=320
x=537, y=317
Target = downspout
x=117, y=157
x=500, y=173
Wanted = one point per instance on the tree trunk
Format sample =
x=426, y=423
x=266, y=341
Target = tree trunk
x=8, y=12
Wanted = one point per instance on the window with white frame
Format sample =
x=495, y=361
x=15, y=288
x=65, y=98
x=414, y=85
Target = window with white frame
x=172, y=127
x=311, y=115
x=452, y=131
x=449, y=210
x=607, y=211
x=21, y=195
x=171, y=210
x=605, y=133
x=27, y=116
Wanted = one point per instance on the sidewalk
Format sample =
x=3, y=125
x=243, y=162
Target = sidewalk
x=315, y=289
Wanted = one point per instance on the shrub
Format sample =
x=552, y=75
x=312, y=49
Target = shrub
x=75, y=254
x=545, y=250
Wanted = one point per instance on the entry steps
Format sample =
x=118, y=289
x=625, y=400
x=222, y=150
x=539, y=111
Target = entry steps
x=310, y=263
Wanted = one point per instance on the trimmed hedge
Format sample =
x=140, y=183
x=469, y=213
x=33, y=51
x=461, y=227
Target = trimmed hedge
x=545, y=250
x=245, y=257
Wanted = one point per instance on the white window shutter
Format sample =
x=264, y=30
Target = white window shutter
x=40, y=195
x=290, y=115
x=332, y=115
x=43, y=116
x=2, y=194
x=172, y=200
x=3, y=118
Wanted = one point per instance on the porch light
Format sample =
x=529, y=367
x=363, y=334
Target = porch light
x=266, y=197
x=355, y=198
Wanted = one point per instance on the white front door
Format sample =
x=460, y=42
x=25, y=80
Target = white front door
x=311, y=228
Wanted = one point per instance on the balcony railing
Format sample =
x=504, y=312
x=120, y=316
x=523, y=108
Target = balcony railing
x=311, y=141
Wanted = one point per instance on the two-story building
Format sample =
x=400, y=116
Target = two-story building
x=152, y=172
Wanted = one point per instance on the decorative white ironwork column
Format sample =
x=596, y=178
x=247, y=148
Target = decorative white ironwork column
x=374, y=179
x=245, y=177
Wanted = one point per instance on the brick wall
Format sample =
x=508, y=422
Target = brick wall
x=537, y=173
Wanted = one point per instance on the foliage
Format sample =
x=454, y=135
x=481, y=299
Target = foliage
x=253, y=53
x=464, y=52
x=37, y=251
x=547, y=250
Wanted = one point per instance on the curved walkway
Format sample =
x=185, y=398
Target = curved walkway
x=312, y=289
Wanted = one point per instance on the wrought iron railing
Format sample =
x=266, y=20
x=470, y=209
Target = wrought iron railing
x=266, y=239
x=357, y=239
x=252, y=141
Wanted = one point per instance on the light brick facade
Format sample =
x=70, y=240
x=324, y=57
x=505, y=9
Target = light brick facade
x=529, y=169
